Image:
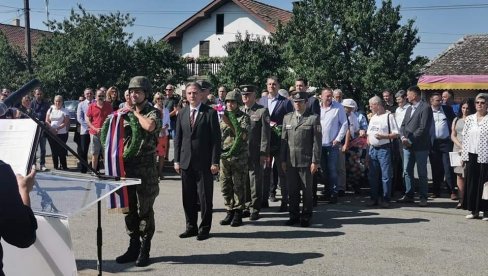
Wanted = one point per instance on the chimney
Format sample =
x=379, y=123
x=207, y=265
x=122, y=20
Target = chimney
x=16, y=22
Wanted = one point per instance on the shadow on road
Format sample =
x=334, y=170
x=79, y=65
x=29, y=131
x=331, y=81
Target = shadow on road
x=240, y=258
x=298, y=234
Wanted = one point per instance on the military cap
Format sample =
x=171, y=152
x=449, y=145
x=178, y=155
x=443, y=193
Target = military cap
x=247, y=89
x=299, y=96
x=233, y=95
x=140, y=82
x=204, y=84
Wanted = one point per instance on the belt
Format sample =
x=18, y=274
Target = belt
x=385, y=146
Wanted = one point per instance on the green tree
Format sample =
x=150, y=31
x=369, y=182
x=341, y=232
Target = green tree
x=13, y=70
x=352, y=45
x=250, y=61
x=85, y=50
x=156, y=60
x=89, y=50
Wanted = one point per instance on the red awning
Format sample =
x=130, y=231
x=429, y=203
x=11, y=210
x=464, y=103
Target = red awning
x=454, y=82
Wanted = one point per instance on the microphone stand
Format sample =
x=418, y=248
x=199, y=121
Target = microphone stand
x=46, y=130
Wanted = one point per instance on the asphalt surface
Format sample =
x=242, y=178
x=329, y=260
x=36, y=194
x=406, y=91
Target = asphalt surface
x=344, y=239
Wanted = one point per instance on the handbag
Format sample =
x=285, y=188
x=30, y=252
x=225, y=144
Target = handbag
x=485, y=191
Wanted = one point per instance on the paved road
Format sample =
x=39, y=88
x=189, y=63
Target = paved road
x=345, y=239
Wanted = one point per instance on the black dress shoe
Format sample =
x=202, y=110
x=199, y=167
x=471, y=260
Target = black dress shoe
x=203, y=235
x=305, y=222
x=405, y=199
x=254, y=215
x=291, y=222
x=333, y=200
x=188, y=233
x=246, y=213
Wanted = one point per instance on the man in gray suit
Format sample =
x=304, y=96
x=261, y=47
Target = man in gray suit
x=259, y=138
x=300, y=155
x=416, y=140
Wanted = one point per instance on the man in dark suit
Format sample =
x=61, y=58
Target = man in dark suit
x=443, y=115
x=278, y=107
x=416, y=140
x=300, y=155
x=17, y=222
x=197, y=157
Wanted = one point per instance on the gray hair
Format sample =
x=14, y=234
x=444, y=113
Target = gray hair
x=337, y=91
x=483, y=96
x=400, y=93
x=194, y=84
x=376, y=100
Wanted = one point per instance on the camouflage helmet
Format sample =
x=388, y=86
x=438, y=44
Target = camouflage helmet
x=233, y=95
x=142, y=83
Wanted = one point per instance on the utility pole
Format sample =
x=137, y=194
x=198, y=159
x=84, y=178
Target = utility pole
x=28, y=50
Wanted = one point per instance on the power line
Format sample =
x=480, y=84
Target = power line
x=445, y=7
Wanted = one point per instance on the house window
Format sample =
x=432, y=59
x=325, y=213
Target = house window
x=204, y=50
x=220, y=24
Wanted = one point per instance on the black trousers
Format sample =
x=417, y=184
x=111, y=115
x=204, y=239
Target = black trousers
x=58, y=152
x=441, y=166
x=197, y=187
x=82, y=150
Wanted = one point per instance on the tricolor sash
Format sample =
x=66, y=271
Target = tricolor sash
x=114, y=162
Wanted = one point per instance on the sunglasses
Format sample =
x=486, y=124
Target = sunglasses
x=158, y=99
x=478, y=102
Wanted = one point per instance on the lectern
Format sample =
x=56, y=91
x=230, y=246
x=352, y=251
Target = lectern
x=57, y=196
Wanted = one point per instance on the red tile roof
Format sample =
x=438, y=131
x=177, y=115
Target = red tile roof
x=269, y=15
x=468, y=56
x=16, y=37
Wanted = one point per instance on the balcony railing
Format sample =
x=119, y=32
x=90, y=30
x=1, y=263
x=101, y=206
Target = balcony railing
x=202, y=69
x=203, y=66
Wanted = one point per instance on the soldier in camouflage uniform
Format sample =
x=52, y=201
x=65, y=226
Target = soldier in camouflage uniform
x=233, y=161
x=259, y=138
x=142, y=164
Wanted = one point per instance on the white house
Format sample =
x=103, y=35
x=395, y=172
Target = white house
x=206, y=33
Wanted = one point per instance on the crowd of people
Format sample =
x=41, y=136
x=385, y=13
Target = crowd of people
x=255, y=142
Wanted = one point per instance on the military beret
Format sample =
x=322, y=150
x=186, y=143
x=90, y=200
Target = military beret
x=204, y=84
x=299, y=96
x=247, y=89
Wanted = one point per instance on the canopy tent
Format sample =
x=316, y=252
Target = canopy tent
x=453, y=82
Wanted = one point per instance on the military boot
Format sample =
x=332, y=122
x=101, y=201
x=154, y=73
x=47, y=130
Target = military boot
x=228, y=219
x=132, y=252
x=237, y=220
x=143, y=258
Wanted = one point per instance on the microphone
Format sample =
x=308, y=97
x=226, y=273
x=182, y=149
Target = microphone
x=17, y=95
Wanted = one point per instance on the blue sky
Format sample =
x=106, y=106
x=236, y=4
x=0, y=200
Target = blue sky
x=440, y=22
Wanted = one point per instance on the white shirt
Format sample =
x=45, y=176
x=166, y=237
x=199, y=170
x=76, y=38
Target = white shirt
x=414, y=106
x=272, y=103
x=400, y=114
x=441, y=127
x=379, y=124
x=334, y=123
x=474, y=138
x=57, y=118
x=196, y=113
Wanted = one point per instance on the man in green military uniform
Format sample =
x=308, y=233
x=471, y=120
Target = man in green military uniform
x=300, y=154
x=140, y=162
x=259, y=135
x=233, y=161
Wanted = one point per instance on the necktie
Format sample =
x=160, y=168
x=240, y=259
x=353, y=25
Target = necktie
x=192, y=117
x=246, y=110
x=298, y=119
